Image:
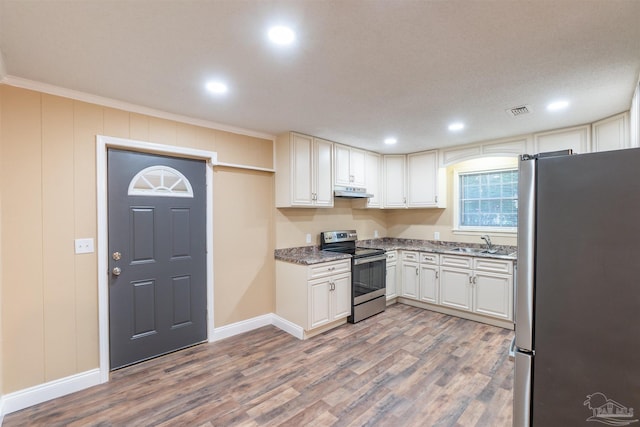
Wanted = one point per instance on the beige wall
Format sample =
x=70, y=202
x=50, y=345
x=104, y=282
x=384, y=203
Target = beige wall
x=48, y=299
x=293, y=224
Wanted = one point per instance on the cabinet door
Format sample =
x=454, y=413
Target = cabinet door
x=356, y=167
x=341, y=164
x=410, y=279
x=576, y=139
x=611, y=133
x=323, y=185
x=302, y=153
x=429, y=278
x=493, y=295
x=341, y=296
x=394, y=181
x=422, y=179
x=391, y=281
x=455, y=288
x=372, y=179
x=319, y=313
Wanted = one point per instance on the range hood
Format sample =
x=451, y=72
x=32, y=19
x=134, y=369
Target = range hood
x=351, y=193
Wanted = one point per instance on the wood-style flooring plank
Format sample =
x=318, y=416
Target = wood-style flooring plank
x=406, y=366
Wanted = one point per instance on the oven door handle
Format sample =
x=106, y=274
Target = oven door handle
x=366, y=260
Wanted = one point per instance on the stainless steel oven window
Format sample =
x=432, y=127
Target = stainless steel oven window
x=368, y=278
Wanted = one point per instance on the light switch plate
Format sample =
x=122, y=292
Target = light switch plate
x=84, y=246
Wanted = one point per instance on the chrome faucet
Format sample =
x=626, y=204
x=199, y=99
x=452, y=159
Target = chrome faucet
x=487, y=239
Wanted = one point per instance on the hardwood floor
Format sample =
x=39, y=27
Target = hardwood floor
x=403, y=367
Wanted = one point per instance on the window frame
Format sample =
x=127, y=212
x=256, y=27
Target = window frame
x=475, y=230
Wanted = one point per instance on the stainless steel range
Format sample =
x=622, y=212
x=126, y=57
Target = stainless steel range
x=368, y=273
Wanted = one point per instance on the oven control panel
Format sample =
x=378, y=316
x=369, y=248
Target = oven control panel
x=339, y=236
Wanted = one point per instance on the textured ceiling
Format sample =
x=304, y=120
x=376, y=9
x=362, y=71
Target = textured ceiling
x=359, y=71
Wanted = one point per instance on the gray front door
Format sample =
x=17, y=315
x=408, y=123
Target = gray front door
x=157, y=255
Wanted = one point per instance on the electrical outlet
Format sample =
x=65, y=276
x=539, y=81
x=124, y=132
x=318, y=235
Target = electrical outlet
x=84, y=246
x=308, y=238
x=436, y=235
x=375, y=234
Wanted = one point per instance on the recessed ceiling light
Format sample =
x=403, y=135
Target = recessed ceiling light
x=454, y=127
x=390, y=141
x=217, y=88
x=281, y=35
x=557, y=105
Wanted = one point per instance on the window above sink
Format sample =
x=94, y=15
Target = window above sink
x=485, y=196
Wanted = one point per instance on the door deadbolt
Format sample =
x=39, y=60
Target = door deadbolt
x=116, y=256
x=116, y=271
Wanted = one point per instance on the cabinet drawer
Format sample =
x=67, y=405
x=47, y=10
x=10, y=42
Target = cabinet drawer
x=428, y=258
x=456, y=261
x=410, y=256
x=392, y=256
x=493, y=265
x=328, y=268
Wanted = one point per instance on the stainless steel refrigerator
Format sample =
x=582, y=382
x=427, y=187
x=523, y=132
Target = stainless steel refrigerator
x=577, y=343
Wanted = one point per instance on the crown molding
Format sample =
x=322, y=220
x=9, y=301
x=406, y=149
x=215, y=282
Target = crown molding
x=121, y=105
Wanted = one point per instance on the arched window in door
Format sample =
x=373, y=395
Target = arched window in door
x=160, y=181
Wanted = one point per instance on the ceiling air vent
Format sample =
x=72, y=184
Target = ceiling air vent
x=518, y=111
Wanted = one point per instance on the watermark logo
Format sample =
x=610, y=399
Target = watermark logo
x=608, y=411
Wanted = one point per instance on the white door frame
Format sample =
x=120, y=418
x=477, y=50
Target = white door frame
x=102, y=144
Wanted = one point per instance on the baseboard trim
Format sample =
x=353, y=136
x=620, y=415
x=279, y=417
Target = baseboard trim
x=21, y=399
x=288, y=327
x=18, y=400
x=254, y=323
x=227, y=331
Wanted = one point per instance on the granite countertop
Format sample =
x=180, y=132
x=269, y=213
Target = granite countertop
x=438, y=246
x=307, y=255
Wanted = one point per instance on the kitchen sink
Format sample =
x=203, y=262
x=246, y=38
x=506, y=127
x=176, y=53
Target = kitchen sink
x=474, y=250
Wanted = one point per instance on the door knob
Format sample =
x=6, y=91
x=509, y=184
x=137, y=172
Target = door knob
x=116, y=271
x=116, y=256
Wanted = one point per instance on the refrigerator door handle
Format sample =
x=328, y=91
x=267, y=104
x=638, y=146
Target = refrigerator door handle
x=526, y=252
x=522, y=390
x=512, y=349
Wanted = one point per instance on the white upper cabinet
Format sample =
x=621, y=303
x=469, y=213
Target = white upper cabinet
x=322, y=165
x=425, y=181
x=413, y=181
x=372, y=179
x=303, y=171
x=576, y=139
x=611, y=133
x=349, y=166
x=394, y=178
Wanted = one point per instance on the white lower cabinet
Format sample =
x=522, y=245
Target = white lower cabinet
x=455, y=288
x=313, y=296
x=485, y=287
x=392, y=276
x=410, y=279
x=329, y=299
x=493, y=295
x=420, y=276
x=479, y=285
x=429, y=278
